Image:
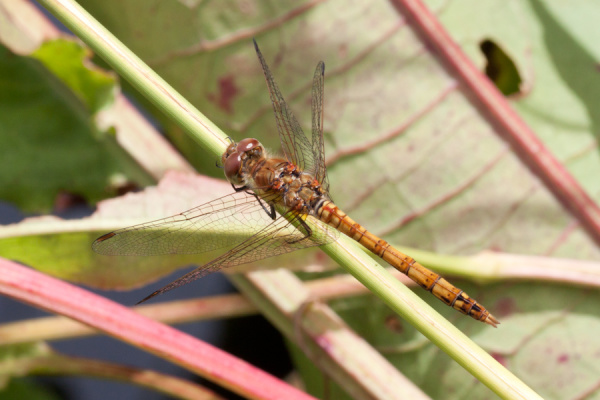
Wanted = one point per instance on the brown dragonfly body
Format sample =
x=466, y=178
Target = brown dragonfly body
x=297, y=187
x=427, y=279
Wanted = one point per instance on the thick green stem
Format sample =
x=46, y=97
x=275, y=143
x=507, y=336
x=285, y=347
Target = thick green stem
x=142, y=77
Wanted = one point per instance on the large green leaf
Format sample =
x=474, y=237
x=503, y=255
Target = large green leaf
x=15, y=362
x=63, y=248
x=395, y=121
x=49, y=141
x=554, y=47
x=69, y=61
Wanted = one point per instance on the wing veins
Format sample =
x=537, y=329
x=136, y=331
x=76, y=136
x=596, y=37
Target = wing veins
x=266, y=240
x=230, y=215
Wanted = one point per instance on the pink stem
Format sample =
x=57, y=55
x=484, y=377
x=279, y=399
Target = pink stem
x=59, y=297
x=494, y=106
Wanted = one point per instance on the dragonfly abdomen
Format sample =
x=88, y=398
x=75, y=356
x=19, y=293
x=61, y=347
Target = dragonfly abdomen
x=429, y=280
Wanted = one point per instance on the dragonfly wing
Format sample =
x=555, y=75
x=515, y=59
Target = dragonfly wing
x=295, y=144
x=279, y=237
x=220, y=223
x=318, y=145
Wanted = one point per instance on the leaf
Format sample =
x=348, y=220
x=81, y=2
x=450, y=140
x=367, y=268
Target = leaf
x=62, y=248
x=560, y=73
x=394, y=120
x=26, y=389
x=70, y=62
x=15, y=361
x=535, y=340
x=49, y=142
x=23, y=351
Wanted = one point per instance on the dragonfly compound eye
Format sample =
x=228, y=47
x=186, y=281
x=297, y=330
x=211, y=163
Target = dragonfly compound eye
x=232, y=167
x=230, y=150
x=247, y=144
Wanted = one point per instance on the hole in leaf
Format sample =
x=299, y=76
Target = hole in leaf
x=500, y=68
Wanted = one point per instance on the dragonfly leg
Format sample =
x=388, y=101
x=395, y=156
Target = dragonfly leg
x=241, y=188
x=270, y=212
x=306, y=229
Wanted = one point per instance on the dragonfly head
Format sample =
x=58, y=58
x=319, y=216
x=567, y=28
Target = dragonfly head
x=235, y=157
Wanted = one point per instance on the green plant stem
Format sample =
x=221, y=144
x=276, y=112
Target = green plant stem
x=345, y=251
x=419, y=314
x=142, y=77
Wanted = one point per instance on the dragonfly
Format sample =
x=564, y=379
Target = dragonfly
x=284, y=205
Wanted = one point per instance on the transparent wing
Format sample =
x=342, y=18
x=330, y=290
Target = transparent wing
x=217, y=224
x=223, y=223
x=296, y=146
x=279, y=237
x=318, y=146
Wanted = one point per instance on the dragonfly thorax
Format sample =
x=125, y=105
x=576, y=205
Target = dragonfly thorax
x=247, y=165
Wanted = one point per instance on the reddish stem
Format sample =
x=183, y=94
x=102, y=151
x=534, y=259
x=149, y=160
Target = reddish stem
x=116, y=320
x=494, y=106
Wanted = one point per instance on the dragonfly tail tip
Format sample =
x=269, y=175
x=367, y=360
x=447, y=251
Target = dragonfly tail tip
x=491, y=320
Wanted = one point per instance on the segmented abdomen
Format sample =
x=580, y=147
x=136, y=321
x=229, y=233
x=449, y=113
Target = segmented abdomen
x=429, y=280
